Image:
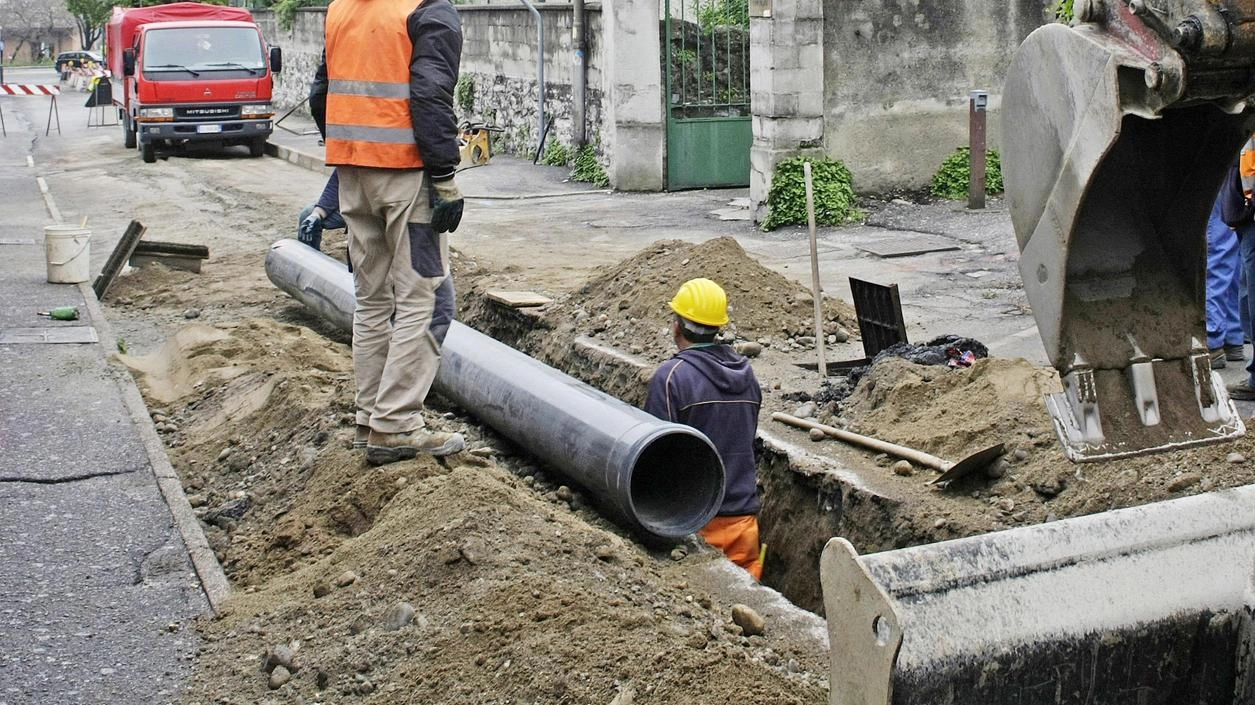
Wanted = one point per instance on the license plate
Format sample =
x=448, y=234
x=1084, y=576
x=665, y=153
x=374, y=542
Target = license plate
x=208, y=129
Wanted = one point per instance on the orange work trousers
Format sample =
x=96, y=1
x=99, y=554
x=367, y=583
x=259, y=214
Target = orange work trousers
x=737, y=537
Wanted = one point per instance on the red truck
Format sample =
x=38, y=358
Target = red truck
x=189, y=72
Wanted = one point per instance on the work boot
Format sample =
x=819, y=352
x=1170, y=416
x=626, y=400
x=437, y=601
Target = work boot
x=1242, y=391
x=1235, y=353
x=1217, y=358
x=361, y=436
x=384, y=448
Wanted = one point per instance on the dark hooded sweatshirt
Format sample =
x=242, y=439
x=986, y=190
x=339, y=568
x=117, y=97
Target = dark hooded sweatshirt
x=713, y=389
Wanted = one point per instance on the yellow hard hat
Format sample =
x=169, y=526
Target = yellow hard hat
x=701, y=301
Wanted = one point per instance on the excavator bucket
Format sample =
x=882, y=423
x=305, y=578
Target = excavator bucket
x=1117, y=132
x=1144, y=606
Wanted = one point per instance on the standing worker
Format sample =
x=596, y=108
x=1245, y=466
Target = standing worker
x=711, y=387
x=391, y=66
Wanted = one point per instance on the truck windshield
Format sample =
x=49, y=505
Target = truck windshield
x=199, y=49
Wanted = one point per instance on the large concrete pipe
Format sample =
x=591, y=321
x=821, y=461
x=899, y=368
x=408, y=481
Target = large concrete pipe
x=660, y=478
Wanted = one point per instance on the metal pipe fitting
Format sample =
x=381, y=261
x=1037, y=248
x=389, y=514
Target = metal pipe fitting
x=660, y=478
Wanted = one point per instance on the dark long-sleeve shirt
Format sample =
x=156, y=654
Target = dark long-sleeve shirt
x=713, y=389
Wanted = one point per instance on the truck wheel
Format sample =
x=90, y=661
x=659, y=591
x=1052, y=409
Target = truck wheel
x=257, y=147
x=148, y=151
x=128, y=132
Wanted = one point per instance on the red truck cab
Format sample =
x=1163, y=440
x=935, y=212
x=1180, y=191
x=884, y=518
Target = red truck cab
x=189, y=72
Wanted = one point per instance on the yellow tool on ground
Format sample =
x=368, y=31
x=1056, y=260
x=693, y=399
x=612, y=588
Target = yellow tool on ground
x=475, y=143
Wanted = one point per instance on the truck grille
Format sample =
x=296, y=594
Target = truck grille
x=207, y=112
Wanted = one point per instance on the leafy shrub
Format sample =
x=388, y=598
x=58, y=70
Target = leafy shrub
x=1063, y=11
x=952, y=179
x=464, y=94
x=588, y=168
x=556, y=154
x=724, y=12
x=285, y=10
x=833, y=187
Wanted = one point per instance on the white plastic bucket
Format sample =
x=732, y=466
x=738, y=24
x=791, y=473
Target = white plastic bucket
x=68, y=249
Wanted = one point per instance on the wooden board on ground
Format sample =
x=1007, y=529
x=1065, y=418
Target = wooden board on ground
x=118, y=258
x=517, y=299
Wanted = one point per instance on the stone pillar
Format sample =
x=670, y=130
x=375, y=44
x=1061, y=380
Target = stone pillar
x=632, y=81
x=786, y=89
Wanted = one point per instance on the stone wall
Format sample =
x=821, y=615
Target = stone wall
x=891, y=98
x=498, y=58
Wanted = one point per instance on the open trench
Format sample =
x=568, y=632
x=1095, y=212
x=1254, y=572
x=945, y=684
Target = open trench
x=806, y=499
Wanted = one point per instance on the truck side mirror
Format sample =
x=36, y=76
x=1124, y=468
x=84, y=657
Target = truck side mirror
x=276, y=59
x=128, y=62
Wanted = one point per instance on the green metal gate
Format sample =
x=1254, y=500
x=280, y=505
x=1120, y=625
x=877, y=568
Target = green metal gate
x=707, y=58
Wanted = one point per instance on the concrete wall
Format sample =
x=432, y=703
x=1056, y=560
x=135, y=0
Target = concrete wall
x=897, y=75
x=893, y=89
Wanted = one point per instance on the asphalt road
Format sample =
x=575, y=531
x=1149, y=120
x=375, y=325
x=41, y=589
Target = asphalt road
x=97, y=596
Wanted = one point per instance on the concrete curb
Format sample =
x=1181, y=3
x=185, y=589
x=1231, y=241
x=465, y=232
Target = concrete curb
x=301, y=159
x=212, y=579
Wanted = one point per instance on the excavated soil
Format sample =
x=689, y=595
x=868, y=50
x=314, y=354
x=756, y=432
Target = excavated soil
x=520, y=591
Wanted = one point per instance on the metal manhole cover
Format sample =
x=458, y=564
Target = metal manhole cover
x=69, y=334
x=905, y=247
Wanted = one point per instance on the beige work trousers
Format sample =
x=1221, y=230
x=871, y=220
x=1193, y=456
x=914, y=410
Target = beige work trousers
x=398, y=261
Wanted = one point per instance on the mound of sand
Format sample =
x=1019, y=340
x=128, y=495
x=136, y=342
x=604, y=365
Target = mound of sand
x=952, y=411
x=627, y=302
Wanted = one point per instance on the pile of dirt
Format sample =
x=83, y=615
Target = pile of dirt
x=626, y=304
x=469, y=579
x=953, y=412
x=948, y=411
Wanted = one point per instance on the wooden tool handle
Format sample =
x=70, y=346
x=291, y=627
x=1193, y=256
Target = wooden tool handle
x=918, y=457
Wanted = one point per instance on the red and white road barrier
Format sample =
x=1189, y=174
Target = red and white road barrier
x=28, y=89
x=36, y=89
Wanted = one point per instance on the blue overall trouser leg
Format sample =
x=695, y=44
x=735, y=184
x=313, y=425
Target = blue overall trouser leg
x=1224, y=320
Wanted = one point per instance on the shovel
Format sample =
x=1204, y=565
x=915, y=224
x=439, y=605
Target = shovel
x=949, y=471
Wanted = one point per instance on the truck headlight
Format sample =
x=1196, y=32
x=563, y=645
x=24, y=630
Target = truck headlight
x=156, y=114
x=255, y=111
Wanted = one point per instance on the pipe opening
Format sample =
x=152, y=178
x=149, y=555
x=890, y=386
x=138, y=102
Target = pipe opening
x=677, y=484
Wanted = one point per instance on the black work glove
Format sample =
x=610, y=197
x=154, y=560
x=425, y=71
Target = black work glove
x=446, y=205
x=308, y=231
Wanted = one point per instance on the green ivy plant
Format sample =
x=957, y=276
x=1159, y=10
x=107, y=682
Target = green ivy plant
x=285, y=10
x=556, y=154
x=1063, y=11
x=952, y=179
x=588, y=169
x=833, y=186
x=464, y=94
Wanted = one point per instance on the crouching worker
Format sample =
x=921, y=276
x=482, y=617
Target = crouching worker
x=711, y=387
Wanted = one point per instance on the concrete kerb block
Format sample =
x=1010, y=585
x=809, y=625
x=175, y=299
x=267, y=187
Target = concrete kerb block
x=212, y=578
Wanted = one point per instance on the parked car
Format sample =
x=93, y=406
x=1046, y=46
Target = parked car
x=75, y=59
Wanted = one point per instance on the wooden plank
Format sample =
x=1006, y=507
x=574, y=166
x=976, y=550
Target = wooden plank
x=118, y=258
x=155, y=247
x=517, y=299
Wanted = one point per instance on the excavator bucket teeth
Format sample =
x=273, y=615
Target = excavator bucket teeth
x=1112, y=161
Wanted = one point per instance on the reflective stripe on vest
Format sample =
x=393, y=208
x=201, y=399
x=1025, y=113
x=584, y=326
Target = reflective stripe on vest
x=368, y=86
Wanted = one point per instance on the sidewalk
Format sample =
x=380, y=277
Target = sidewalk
x=97, y=592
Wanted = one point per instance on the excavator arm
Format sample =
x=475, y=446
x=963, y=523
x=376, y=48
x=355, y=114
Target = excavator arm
x=1117, y=133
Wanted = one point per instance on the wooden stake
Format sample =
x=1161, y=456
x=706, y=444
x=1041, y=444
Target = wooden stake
x=816, y=291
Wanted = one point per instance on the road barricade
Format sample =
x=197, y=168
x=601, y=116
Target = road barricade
x=32, y=89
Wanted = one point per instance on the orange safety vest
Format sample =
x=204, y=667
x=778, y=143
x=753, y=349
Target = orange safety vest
x=368, y=84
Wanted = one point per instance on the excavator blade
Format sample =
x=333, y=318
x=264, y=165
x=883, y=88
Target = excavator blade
x=1117, y=133
x=1149, y=605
